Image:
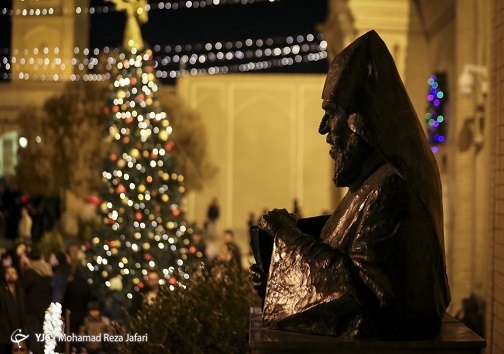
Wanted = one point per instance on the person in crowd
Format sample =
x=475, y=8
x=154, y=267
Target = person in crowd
x=115, y=303
x=252, y=221
x=230, y=251
x=95, y=324
x=2, y=213
x=19, y=256
x=212, y=217
x=12, y=314
x=36, y=283
x=198, y=247
x=6, y=261
x=61, y=272
x=297, y=209
x=147, y=295
x=25, y=225
x=10, y=205
x=77, y=295
x=472, y=313
x=22, y=347
x=75, y=253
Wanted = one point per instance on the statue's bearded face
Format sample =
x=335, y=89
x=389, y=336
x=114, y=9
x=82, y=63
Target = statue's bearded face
x=348, y=150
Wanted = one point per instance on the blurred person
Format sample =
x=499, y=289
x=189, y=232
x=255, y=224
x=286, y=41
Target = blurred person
x=75, y=253
x=77, y=295
x=25, y=225
x=252, y=221
x=2, y=215
x=148, y=294
x=12, y=314
x=472, y=313
x=60, y=263
x=198, y=247
x=95, y=324
x=21, y=348
x=11, y=199
x=115, y=303
x=213, y=213
x=297, y=209
x=6, y=260
x=36, y=283
x=20, y=260
x=230, y=251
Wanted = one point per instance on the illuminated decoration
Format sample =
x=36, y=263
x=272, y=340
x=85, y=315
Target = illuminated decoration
x=160, y=5
x=53, y=327
x=136, y=14
x=435, y=116
x=143, y=225
x=173, y=61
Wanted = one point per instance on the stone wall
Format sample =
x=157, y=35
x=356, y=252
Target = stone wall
x=262, y=135
x=496, y=323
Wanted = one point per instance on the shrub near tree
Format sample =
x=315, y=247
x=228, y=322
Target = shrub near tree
x=209, y=316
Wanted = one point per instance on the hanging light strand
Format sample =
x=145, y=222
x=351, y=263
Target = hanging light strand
x=176, y=60
x=104, y=9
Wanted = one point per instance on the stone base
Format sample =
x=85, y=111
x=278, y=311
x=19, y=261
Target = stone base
x=454, y=338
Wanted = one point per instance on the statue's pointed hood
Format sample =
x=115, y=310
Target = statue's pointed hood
x=364, y=81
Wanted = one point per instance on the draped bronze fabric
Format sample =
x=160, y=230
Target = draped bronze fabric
x=377, y=267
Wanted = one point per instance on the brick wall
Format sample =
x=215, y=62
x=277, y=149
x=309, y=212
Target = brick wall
x=496, y=330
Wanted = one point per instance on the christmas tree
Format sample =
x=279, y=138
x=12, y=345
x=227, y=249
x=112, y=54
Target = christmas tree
x=142, y=225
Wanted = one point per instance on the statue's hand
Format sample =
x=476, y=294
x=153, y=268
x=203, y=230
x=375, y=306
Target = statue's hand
x=273, y=220
x=259, y=279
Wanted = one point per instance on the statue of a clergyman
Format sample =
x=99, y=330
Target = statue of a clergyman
x=136, y=15
x=375, y=268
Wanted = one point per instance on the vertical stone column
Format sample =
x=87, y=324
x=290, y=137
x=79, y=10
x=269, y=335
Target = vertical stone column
x=460, y=258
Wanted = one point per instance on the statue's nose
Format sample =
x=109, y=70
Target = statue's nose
x=323, y=129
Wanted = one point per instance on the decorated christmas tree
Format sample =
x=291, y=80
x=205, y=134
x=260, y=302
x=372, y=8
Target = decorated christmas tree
x=141, y=225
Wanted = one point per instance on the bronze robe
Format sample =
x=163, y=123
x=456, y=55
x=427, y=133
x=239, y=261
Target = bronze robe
x=376, y=269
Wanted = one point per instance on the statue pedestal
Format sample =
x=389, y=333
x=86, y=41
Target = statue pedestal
x=454, y=338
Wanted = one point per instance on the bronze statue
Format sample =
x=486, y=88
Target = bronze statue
x=375, y=268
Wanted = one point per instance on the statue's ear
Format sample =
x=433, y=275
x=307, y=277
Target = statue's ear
x=356, y=123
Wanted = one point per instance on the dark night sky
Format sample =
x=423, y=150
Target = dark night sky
x=229, y=22
x=214, y=23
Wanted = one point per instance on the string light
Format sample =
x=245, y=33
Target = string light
x=173, y=61
x=161, y=5
x=436, y=99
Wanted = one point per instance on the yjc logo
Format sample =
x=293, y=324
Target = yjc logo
x=17, y=337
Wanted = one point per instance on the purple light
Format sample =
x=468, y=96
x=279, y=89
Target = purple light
x=434, y=149
x=436, y=103
x=430, y=97
x=436, y=123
